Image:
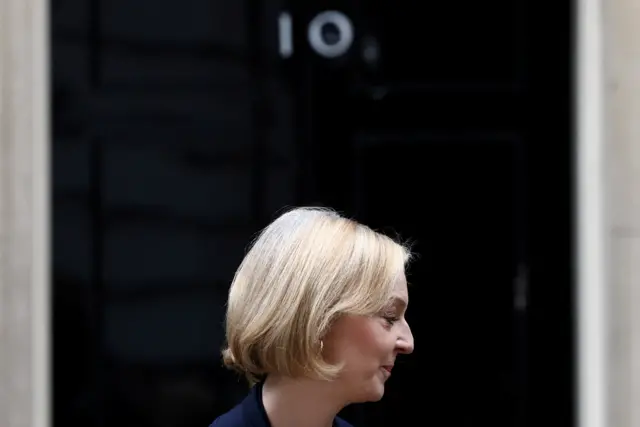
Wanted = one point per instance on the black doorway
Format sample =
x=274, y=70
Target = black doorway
x=180, y=129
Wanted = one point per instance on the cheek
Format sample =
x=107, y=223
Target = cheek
x=371, y=340
x=367, y=340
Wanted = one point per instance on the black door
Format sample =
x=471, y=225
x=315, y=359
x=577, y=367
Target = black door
x=181, y=128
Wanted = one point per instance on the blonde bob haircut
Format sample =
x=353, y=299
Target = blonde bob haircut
x=304, y=270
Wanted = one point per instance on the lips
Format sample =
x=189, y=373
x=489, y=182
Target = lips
x=388, y=368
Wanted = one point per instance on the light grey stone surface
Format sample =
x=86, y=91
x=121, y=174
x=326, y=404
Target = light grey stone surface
x=24, y=214
x=621, y=19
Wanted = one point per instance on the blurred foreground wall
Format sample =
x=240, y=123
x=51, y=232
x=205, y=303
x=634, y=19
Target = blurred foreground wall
x=24, y=236
x=622, y=208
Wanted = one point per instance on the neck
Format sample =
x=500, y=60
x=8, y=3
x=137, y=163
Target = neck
x=297, y=402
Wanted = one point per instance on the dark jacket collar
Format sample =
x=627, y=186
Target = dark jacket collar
x=253, y=408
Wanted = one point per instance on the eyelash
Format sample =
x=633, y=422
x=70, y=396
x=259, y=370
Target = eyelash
x=390, y=319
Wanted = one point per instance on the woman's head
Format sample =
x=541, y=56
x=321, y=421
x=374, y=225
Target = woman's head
x=311, y=279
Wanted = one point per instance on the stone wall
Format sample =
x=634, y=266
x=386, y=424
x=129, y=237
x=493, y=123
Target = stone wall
x=23, y=213
x=621, y=51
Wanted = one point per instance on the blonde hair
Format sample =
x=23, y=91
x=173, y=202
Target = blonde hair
x=305, y=269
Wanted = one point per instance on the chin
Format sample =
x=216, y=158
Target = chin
x=375, y=395
x=371, y=392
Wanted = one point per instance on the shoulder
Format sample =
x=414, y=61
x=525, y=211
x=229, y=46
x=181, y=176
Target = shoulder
x=248, y=412
x=233, y=418
x=342, y=423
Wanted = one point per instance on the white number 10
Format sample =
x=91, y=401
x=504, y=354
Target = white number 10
x=317, y=41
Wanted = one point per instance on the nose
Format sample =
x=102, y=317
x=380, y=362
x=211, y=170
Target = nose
x=404, y=344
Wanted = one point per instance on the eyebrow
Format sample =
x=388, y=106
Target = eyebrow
x=399, y=302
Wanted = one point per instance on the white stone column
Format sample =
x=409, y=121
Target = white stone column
x=24, y=213
x=621, y=31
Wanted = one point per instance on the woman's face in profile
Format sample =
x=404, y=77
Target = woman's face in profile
x=368, y=346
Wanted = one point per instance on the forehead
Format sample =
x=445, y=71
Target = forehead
x=400, y=291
